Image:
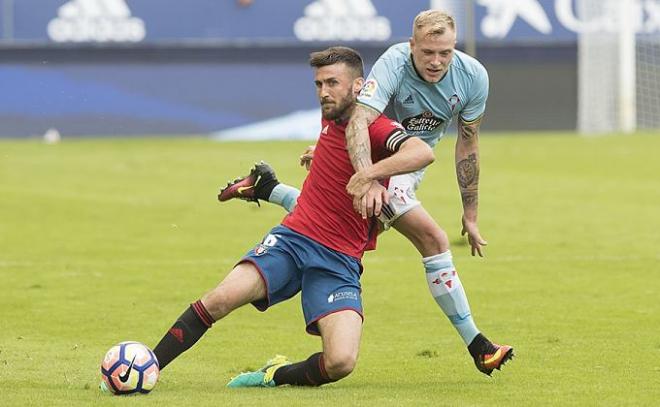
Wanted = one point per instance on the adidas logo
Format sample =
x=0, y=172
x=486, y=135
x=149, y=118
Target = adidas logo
x=96, y=21
x=177, y=333
x=345, y=20
x=409, y=100
x=325, y=130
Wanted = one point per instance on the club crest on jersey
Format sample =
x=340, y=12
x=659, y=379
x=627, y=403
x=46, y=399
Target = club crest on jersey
x=422, y=122
x=453, y=101
x=369, y=89
x=262, y=248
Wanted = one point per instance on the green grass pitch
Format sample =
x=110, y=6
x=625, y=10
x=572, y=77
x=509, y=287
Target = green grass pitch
x=107, y=240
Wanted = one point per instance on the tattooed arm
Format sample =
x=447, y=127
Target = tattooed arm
x=467, y=173
x=359, y=151
x=357, y=136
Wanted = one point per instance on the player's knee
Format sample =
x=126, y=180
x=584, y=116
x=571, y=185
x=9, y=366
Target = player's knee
x=218, y=303
x=339, y=364
x=432, y=240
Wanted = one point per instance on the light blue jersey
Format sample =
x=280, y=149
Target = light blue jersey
x=426, y=109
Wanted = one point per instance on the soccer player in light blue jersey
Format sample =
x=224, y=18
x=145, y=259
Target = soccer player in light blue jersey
x=428, y=83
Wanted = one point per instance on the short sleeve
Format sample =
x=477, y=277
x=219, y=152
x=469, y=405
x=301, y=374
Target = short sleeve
x=476, y=105
x=382, y=82
x=386, y=136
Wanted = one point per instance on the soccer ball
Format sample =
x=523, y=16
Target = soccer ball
x=128, y=368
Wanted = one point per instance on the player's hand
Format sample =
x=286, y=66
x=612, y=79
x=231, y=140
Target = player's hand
x=371, y=203
x=474, y=238
x=358, y=185
x=307, y=157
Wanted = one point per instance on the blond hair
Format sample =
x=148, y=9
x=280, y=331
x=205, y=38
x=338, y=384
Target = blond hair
x=433, y=22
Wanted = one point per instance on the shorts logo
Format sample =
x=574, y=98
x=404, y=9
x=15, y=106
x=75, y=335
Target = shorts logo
x=262, y=248
x=342, y=295
x=369, y=89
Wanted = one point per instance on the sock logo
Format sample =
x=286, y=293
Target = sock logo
x=346, y=20
x=96, y=21
x=446, y=279
x=177, y=333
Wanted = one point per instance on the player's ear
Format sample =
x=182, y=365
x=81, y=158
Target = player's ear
x=358, y=83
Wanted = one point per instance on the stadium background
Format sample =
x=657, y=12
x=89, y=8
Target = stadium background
x=201, y=66
x=104, y=239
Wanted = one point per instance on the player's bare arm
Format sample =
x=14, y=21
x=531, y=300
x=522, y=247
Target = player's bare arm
x=357, y=136
x=414, y=154
x=359, y=151
x=467, y=173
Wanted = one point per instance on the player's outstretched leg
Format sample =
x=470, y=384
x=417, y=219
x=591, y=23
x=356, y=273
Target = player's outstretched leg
x=241, y=286
x=261, y=184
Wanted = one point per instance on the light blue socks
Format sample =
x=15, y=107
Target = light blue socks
x=447, y=290
x=285, y=196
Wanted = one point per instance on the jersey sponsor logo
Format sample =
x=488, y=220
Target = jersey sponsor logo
x=369, y=89
x=342, y=296
x=96, y=21
x=345, y=20
x=422, y=122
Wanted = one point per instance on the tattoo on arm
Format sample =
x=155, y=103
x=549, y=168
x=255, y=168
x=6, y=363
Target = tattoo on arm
x=469, y=131
x=468, y=172
x=357, y=136
x=469, y=199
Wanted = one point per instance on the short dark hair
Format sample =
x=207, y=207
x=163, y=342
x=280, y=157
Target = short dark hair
x=335, y=55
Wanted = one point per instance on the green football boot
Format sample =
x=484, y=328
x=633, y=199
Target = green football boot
x=262, y=377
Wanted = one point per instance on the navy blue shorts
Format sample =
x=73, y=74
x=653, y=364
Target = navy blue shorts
x=290, y=262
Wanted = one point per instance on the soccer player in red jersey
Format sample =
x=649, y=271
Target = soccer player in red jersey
x=317, y=248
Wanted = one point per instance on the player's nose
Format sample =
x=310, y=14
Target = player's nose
x=323, y=92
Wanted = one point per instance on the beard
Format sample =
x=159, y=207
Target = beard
x=337, y=110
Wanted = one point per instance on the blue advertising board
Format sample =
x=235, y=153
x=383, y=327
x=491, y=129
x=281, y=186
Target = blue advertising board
x=299, y=21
